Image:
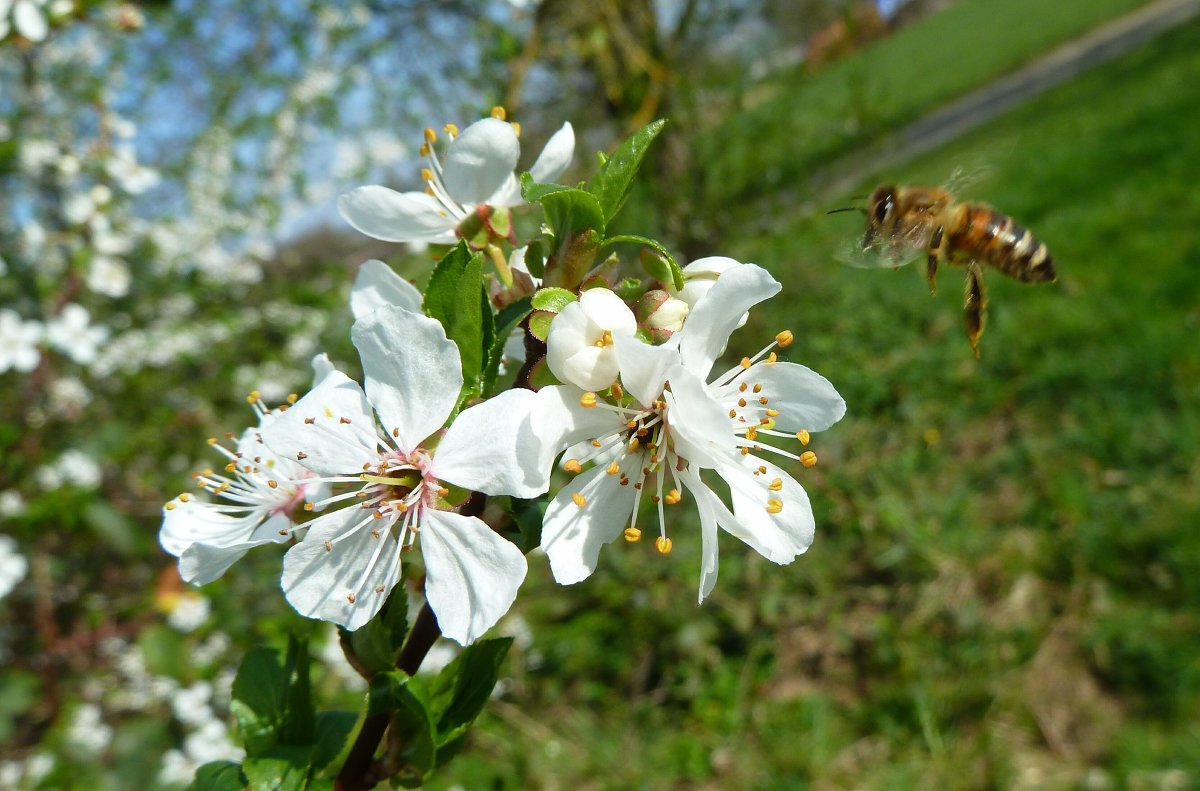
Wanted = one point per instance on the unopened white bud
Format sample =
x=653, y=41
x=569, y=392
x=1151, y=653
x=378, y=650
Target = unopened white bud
x=661, y=315
x=579, y=348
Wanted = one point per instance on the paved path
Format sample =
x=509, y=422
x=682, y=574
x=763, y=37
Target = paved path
x=980, y=106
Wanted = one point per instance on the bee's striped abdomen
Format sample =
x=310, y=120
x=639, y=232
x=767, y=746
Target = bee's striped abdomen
x=981, y=233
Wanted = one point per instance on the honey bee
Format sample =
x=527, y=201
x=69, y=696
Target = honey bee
x=906, y=221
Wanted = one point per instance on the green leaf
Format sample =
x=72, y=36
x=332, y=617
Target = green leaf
x=533, y=192
x=164, y=651
x=535, y=258
x=282, y=769
x=539, y=323
x=259, y=699
x=112, y=527
x=553, y=299
x=612, y=181
x=528, y=516
x=411, y=742
x=629, y=289
x=219, y=776
x=453, y=298
x=333, y=731
x=19, y=692
x=507, y=320
x=662, y=267
x=463, y=687
x=378, y=643
x=299, y=726
x=571, y=211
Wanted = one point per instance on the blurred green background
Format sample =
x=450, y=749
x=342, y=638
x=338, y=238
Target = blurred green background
x=1005, y=587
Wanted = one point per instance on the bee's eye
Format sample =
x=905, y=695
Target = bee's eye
x=882, y=207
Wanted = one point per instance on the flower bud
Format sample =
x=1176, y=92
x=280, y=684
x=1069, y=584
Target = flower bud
x=700, y=276
x=661, y=315
x=579, y=348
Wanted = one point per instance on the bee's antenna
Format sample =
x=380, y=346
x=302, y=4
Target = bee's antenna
x=847, y=208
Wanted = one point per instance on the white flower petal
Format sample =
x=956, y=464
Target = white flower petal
x=327, y=445
x=778, y=537
x=479, y=160
x=322, y=367
x=376, y=286
x=509, y=194
x=644, y=367
x=412, y=370
x=341, y=556
x=471, y=573
x=492, y=448
x=196, y=521
x=708, y=504
x=30, y=21
x=560, y=421
x=803, y=398
x=716, y=315
x=700, y=426
x=555, y=157
x=201, y=564
x=572, y=535
x=392, y=216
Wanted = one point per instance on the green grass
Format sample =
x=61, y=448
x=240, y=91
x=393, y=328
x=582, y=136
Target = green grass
x=1005, y=589
x=800, y=122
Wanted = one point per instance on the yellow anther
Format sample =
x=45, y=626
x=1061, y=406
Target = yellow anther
x=516, y=127
x=776, y=485
x=183, y=498
x=328, y=412
x=808, y=458
x=596, y=443
x=733, y=413
x=572, y=465
x=663, y=545
x=170, y=506
x=350, y=597
x=308, y=506
x=588, y=400
x=758, y=388
x=430, y=136
x=772, y=358
x=442, y=492
x=774, y=506
x=605, y=339
x=230, y=467
x=633, y=445
x=803, y=436
x=273, y=484
x=425, y=150
x=499, y=112
x=426, y=175
x=764, y=402
x=578, y=499
x=632, y=534
x=254, y=396
x=741, y=402
x=673, y=497
x=745, y=362
x=212, y=440
x=752, y=433
x=617, y=392
x=742, y=387
x=613, y=468
x=784, y=339
x=292, y=398
x=451, y=130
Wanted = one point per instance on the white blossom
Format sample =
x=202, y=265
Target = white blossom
x=19, y=342
x=672, y=425
x=379, y=442
x=579, y=348
x=13, y=565
x=88, y=731
x=73, y=334
x=189, y=612
x=477, y=170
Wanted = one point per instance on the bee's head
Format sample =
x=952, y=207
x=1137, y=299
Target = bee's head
x=881, y=210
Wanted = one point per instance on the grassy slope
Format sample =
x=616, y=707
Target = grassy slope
x=1006, y=582
x=806, y=121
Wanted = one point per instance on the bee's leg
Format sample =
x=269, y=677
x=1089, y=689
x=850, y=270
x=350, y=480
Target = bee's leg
x=975, y=305
x=935, y=250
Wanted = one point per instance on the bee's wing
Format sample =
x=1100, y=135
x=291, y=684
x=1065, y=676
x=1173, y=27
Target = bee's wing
x=967, y=174
x=889, y=252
